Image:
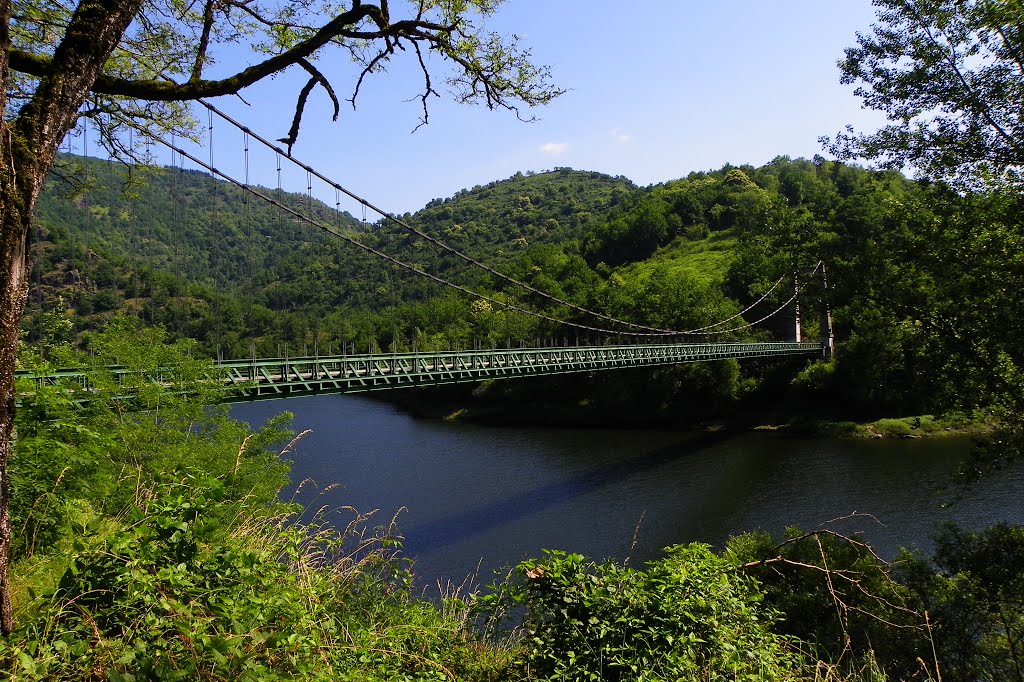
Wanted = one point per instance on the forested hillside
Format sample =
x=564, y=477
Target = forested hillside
x=174, y=245
x=922, y=280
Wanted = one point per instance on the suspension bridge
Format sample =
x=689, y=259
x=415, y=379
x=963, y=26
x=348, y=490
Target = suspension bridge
x=266, y=378
x=277, y=377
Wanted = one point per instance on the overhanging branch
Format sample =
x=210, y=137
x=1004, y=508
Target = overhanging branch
x=165, y=91
x=300, y=105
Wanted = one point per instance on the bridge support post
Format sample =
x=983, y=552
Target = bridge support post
x=797, y=337
x=828, y=337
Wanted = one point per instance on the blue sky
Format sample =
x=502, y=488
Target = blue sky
x=655, y=90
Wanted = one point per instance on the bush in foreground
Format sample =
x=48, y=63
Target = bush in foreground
x=687, y=616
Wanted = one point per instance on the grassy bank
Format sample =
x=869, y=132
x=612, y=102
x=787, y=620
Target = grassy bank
x=177, y=589
x=923, y=426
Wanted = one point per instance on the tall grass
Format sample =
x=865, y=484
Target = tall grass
x=182, y=591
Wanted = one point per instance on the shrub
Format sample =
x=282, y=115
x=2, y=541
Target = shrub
x=687, y=616
x=926, y=424
x=893, y=428
x=816, y=379
x=127, y=433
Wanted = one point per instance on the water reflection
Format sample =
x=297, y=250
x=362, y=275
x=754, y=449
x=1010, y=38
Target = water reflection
x=542, y=499
x=502, y=494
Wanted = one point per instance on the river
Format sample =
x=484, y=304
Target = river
x=471, y=499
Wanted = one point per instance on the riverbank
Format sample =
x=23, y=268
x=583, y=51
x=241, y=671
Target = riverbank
x=922, y=426
x=785, y=417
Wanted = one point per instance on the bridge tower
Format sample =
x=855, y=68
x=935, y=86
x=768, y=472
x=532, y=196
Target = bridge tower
x=797, y=334
x=827, y=334
x=828, y=337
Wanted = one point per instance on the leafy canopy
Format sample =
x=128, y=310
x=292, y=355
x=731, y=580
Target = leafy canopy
x=949, y=75
x=173, y=52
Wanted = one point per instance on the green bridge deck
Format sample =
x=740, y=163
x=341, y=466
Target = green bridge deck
x=265, y=378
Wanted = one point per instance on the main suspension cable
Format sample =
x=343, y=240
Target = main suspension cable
x=769, y=315
x=651, y=331
x=740, y=313
x=433, y=240
x=391, y=259
x=423, y=235
x=402, y=264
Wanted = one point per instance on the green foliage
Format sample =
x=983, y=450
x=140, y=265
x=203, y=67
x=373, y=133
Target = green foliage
x=307, y=292
x=687, y=616
x=706, y=258
x=925, y=287
x=972, y=587
x=946, y=74
x=128, y=432
x=840, y=429
x=176, y=560
x=893, y=428
x=191, y=575
x=542, y=208
x=815, y=378
x=60, y=456
x=178, y=594
x=922, y=289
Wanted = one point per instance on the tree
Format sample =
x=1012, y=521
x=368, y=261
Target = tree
x=949, y=74
x=134, y=65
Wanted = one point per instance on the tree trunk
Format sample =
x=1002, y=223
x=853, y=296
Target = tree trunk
x=28, y=146
x=13, y=293
x=21, y=179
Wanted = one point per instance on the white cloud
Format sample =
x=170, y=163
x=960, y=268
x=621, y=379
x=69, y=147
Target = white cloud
x=554, y=147
x=622, y=136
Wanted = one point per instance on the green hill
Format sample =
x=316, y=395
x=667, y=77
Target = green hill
x=184, y=251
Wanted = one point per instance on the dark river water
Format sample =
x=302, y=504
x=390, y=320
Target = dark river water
x=476, y=498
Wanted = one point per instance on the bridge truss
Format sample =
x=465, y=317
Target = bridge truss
x=268, y=378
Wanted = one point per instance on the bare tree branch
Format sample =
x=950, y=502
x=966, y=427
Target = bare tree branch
x=319, y=78
x=852, y=579
x=428, y=89
x=204, y=42
x=368, y=69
